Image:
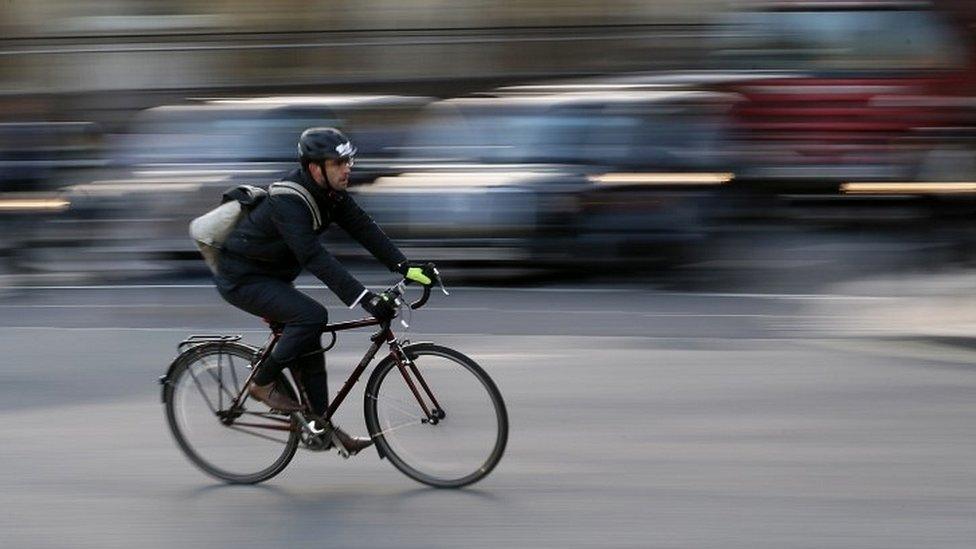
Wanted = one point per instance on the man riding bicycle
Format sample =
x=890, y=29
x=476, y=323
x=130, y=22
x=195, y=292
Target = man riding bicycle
x=279, y=238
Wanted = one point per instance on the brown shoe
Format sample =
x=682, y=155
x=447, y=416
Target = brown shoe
x=275, y=399
x=352, y=445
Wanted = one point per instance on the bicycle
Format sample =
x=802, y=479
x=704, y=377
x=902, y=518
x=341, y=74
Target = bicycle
x=443, y=424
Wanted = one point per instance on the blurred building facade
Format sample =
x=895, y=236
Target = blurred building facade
x=59, y=46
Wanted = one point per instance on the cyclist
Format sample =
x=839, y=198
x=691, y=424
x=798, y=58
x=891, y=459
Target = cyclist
x=278, y=239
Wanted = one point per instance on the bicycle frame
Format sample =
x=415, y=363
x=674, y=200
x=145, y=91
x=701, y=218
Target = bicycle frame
x=406, y=367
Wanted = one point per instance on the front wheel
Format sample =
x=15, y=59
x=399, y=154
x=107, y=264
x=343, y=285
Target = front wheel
x=467, y=436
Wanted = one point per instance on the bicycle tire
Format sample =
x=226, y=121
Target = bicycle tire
x=177, y=382
x=400, y=457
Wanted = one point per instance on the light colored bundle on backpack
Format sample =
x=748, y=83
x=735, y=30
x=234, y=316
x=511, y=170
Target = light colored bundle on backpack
x=210, y=230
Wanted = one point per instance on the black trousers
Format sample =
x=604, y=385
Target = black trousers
x=303, y=318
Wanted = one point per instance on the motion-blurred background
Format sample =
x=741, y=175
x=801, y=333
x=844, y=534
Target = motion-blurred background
x=702, y=140
x=728, y=249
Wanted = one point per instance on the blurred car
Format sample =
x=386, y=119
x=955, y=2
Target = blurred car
x=35, y=159
x=175, y=161
x=36, y=156
x=556, y=179
x=261, y=133
x=873, y=92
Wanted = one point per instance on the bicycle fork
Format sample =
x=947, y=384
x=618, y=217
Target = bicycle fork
x=408, y=368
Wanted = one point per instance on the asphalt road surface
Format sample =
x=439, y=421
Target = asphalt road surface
x=639, y=419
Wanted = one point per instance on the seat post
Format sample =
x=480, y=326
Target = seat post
x=276, y=327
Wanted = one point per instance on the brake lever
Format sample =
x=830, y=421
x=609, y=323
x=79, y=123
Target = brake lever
x=402, y=289
x=440, y=281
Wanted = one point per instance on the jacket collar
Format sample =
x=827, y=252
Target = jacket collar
x=326, y=196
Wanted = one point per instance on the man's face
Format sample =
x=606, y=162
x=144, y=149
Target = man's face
x=337, y=172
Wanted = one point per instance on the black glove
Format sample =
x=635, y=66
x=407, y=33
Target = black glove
x=418, y=272
x=379, y=306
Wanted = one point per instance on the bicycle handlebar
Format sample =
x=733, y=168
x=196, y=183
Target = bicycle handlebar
x=397, y=290
x=423, y=299
x=427, y=287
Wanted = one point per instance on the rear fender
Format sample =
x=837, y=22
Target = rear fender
x=192, y=350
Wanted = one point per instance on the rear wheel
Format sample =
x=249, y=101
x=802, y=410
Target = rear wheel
x=246, y=446
x=466, y=438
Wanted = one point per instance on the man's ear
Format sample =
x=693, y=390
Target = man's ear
x=316, y=170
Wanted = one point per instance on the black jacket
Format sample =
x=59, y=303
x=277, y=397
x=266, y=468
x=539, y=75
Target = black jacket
x=276, y=239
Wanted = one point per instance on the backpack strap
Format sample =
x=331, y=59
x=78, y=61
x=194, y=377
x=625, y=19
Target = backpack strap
x=292, y=188
x=248, y=195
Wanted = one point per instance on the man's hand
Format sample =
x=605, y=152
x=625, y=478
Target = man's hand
x=380, y=306
x=418, y=272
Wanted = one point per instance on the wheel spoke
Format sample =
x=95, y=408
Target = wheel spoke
x=220, y=386
x=233, y=373
x=397, y=428
x=202, y=392
x=402, y=409
x=220, y=382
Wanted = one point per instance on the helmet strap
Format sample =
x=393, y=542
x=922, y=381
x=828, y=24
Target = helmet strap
x=325, y=175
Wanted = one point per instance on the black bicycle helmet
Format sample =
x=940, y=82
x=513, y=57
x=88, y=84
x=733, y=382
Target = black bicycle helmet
x=318, y=144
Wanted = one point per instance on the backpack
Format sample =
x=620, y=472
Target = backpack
x=210, y=230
